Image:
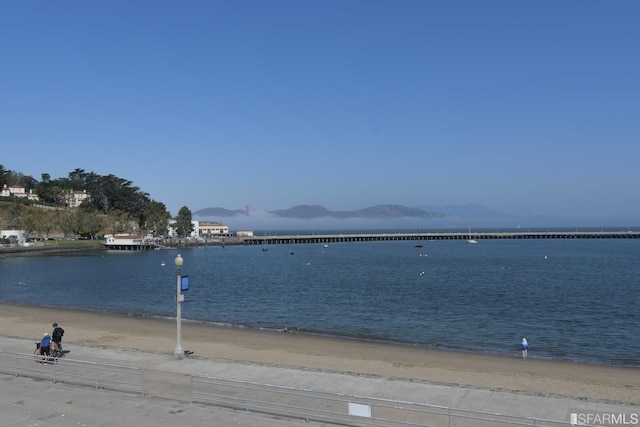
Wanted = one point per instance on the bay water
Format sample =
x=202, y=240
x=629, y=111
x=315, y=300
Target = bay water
x=574, y=300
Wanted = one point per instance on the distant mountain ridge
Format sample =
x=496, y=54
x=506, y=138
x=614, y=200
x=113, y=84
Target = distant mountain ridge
x=391, y=216
x=379, y=211
x=373, y=212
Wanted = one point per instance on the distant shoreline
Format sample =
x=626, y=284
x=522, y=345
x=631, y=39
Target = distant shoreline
x=38, y=250
x=325, y=238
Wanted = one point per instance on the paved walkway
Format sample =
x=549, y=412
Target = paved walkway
x=30, y=402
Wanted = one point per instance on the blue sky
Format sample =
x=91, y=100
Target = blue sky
x=524, y=107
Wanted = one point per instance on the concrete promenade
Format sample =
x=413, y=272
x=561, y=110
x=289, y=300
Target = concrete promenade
x=30, y=402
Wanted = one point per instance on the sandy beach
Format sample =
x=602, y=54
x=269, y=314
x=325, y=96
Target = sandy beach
x=290, y=349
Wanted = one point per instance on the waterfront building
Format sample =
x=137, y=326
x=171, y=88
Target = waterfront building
x=210, y=229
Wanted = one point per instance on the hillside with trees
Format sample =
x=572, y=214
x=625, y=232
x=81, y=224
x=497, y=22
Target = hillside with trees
x=114, y=206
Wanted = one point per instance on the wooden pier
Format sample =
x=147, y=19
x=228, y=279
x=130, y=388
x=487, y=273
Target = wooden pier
x=374, y=237
x=130, y=246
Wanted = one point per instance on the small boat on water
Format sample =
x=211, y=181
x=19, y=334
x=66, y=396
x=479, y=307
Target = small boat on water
x=471, y=240
x=419, y=245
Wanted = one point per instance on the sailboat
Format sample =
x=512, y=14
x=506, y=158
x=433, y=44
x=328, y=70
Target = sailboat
x=471, y=240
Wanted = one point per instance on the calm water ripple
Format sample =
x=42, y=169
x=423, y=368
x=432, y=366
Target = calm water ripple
x=572, y=299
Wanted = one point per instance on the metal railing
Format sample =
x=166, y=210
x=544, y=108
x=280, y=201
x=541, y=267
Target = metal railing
x=92, y=374
x=293, y=402
x=345, y=409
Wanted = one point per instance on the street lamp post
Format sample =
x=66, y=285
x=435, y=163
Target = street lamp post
x=179, y=353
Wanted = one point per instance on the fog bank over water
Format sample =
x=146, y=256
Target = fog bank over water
x=268, y=223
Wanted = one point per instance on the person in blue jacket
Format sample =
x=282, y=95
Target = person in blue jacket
x=525, y=348
x=45, y=346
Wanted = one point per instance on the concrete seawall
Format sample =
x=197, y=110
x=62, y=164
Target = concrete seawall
x=40, y=250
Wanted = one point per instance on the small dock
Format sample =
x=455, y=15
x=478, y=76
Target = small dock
x=130, y=246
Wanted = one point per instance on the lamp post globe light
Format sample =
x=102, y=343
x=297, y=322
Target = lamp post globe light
x=179, y=353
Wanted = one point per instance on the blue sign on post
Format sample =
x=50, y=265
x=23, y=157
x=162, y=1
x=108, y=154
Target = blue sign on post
x=184, y=283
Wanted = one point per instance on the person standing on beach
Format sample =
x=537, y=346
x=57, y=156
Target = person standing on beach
x=56, y=336
x=525, y=348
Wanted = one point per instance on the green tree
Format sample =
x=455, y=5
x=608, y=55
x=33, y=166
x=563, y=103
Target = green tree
x=115, y=204
x=19, y=178
x=90, y=224
x=33, y=221
x=78, y=179
x=4, y=176
x=183, y=222
x=15, y=216
x=113, y=193
x=51, y=191
x=157, y=218
x=39, y=221
x=48, y=222
x=119, y=222
x=68, y=222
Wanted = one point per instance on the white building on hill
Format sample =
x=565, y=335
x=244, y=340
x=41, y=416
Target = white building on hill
x=19, y=191
x=75, y=198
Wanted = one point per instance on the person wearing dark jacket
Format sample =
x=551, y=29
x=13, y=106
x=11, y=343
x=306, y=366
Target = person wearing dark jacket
x=56, y=336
